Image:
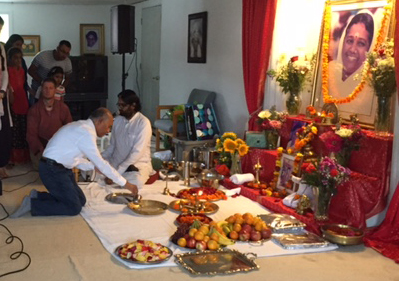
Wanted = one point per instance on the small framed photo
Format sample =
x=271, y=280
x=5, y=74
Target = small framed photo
x=31, y=45
x=287, y=169
x=92, y=39
x=197, y=32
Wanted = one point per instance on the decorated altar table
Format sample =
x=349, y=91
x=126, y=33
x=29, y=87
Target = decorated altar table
x=358, y=199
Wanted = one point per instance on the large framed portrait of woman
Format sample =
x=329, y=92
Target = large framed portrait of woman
x=350, y=29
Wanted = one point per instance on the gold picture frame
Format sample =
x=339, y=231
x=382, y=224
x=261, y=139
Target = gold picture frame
x=338, y=74
x=92, y=39
x=31, y=45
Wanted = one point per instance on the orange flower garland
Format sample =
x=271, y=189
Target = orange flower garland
x=327, y=98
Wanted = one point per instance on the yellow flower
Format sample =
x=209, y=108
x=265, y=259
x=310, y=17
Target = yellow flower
x=243, y=149
x=217, y=141
x=229, y=145
x=300, y=155
x=314, y=130
x=289, y=150
x=280, y=149
x=230, y=135
x=240, y=142
x=264, y=114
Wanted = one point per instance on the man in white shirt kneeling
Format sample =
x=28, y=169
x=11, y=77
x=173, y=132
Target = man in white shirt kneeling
x=70, y=147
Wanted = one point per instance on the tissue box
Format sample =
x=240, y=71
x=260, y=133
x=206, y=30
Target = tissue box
x=255, y=139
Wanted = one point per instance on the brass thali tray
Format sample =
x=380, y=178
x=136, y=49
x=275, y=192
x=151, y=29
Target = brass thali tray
x=148, y=207
x=120, y=197
x=208, y=207
x=222, y=261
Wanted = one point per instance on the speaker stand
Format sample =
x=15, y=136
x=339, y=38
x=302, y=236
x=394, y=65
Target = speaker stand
x=124, y=75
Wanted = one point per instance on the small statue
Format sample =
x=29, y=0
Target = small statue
x=354, y=120
x=303, y=205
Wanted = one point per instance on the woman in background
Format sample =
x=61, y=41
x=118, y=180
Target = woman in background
x=20, y=106
x=57, y=73
x=5, y=118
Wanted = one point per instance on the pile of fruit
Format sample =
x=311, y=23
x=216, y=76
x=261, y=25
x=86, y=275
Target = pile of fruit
x=187, y=206
x=202, y=193
x=267, y=190
x=190, y=218
x=201, y=236
x=245, y=227
x=144, y=251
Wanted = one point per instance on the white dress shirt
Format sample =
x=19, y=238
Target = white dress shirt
x=130, y=143
x=75, y=141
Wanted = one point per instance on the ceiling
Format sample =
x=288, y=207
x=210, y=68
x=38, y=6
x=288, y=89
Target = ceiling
x=74, y=2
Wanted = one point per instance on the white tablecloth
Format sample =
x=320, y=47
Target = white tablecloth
x=116, y=224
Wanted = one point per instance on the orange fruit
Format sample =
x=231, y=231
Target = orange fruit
x=192, y=232
x=249, y=220
x=231, y=219
x=233, y=235
x=206, y=238
x=258, y=226
x=199, y=236
x=214, y=237
x=182, y=242
x=237, y=227
x=212, y=223
x=204, y=229
x=239, y=220
x=213, y=245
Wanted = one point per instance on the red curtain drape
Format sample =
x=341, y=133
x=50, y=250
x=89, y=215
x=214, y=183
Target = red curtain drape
x=396, y=42
x=257, y=33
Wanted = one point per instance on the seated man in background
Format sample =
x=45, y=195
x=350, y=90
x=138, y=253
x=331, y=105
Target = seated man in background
x=44, y=119
x=129, y=151
x=67, y=149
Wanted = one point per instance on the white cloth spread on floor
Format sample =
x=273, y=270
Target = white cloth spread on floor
x=116, y=224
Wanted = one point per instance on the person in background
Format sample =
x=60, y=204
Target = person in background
x=20, y=106
x=74, y=145
x=44, y=61
x=129, y=151
x=45, y=118
x=5, y=116
x=58, y=75
x=17, y=41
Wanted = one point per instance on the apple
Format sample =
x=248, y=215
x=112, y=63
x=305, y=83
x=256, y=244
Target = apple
x=201, y=245
x=186, y=236
x=266, y=233
x=255, y=235
x=246, y=227
x=191, y=243
x=244, y=235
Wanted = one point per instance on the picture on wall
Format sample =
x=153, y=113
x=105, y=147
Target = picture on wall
x=31, y=45
x=197, y=32
x=92, y=39
x=350, y=31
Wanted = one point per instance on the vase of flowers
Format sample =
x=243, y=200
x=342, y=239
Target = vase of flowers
x=324, y=176
x=271, y=122
x=381, y=77
x=291, y=77
x=341, y=142
x=230, y=150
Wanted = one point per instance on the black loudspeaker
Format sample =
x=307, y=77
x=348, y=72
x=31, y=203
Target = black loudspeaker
x=122, y=29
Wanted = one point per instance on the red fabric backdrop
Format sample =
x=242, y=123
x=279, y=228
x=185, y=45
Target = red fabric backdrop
x=257, y=33
x=396, y=42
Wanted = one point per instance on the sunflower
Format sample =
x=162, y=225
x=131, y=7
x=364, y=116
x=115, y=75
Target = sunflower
x=240, y=142
x=229, y=135
x=243, y=149
x=229, y=145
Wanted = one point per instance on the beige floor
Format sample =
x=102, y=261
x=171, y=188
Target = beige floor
x=65, y=248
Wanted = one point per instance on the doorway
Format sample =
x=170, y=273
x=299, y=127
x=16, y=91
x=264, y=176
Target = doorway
x=150, y=59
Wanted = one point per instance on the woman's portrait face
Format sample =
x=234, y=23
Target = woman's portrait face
x=355, y=47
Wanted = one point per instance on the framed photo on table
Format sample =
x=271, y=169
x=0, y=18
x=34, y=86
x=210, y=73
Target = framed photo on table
x=197, y=32
x=350, y=29
x=92, y=39
x=31, y=45
x=286, y=172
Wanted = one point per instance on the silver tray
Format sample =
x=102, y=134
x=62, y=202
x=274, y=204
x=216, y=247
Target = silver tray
x=282, y=223
x=148, y=207
x=211, y=208
x=142, y=262
x=120, y=197
x=222, y=261
x=290, y=241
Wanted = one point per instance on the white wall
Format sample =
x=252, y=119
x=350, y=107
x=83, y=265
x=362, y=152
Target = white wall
x=56, y=22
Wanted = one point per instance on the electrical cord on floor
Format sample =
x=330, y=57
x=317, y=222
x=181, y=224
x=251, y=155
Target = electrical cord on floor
x=17, y=254
x=14, y=176
x=18, y=188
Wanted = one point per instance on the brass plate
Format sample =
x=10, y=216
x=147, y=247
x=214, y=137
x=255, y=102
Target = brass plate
x=143, y=262
x=340, y=238
x=119, y=197
x=148, y=207
x=223, y=261
x=210, y=208
x=178, y=195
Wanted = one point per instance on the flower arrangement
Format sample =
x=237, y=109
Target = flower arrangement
x=304, y=136
x=381, y=76
x=292, y=76
x=229, y=145
x=272, y=119
x=325, y=174
x=318, y=117
x=342, y=142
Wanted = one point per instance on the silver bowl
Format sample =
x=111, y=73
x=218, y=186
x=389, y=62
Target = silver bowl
x=209, y=179
x=195, y=168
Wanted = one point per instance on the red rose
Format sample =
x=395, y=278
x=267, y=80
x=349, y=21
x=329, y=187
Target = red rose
x=304, y=166
x=223, y=170
x=311, y=168
x=334, y=172
x=293, y=59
